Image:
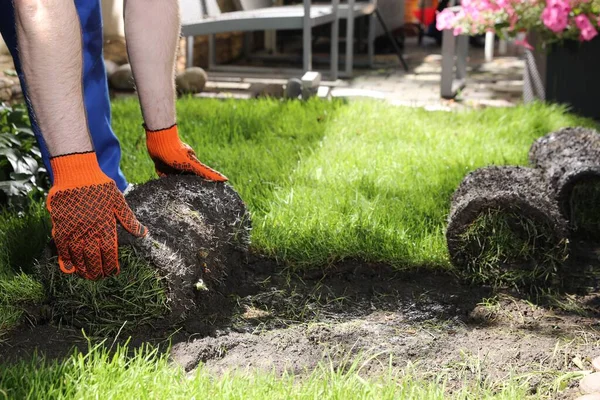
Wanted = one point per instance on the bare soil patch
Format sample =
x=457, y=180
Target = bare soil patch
x=281, y=320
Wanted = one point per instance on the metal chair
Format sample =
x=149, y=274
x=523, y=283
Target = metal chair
x=204, y=17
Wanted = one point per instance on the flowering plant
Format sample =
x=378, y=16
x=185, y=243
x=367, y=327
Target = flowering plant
x=552, y=20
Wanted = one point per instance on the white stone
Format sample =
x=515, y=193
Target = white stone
x=591, y=396
x=311, y=80
x=590, y=383
x=596, y=363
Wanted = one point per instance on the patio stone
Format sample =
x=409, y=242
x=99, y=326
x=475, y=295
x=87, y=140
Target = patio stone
x=508, y=86
x=110, y=66
x=293, y=88
x=267, y=90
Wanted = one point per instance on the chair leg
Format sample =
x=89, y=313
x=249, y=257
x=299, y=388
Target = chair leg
x=349, y=44
x=212, y=51
x=448, y=54
x=307, y=49
x=462, y=52
x=489, y=46
x=189, y=51
x=371, y=39
x=335, y=49
x=391, y=38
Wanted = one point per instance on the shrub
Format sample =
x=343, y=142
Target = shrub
x=22, y=174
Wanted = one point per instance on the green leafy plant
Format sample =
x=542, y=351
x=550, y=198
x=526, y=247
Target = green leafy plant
x=22, y=174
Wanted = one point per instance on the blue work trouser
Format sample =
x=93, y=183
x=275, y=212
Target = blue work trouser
x=95, y=86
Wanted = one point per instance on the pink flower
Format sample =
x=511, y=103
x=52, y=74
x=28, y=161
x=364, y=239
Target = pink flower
x=562, y=4
x=588, y=32
x=445, y=20
x=555, y=17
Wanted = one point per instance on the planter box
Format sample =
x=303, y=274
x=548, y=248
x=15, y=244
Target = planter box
x=567, y=74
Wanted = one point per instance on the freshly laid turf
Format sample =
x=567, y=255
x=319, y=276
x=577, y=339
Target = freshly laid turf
x=136, y=295
x=324, y=181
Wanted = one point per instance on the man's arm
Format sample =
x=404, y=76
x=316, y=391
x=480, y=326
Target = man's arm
x=49, y=37
x=84, y=203
x=152, y=32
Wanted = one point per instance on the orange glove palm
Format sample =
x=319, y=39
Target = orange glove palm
x=173, y=157
x=84, y=205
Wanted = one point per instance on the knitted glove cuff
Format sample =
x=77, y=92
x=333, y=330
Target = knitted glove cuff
x=162, y=139
x=78, y=169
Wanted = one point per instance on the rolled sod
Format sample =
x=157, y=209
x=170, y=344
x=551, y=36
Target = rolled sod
x=505, y=229
x=570, y=162
x=199, y=233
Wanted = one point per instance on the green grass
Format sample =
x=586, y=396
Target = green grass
x=506, y=249
x=134, y=297
x=147, y=374
x=326, y=181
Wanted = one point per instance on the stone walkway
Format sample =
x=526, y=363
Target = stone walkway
x=498, y=83
x=493, y=84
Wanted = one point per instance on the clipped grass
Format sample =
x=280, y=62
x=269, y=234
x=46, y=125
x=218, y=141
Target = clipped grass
x=511, y=250
x=22, y=240
x=148, y=375
x=378, y=188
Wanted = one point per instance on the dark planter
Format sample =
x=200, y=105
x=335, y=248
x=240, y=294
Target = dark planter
x=566, y=74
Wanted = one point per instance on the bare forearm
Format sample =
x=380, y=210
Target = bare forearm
x=49, y=37
x=152, y=32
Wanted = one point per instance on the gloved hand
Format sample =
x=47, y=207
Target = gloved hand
x=84, y=206
x=173, y=157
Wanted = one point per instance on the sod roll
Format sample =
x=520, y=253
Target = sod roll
x=504, y=228
x=570, y=162
x=198, y=234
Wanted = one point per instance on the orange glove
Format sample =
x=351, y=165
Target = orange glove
x=171, y=156
x=84, y=205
